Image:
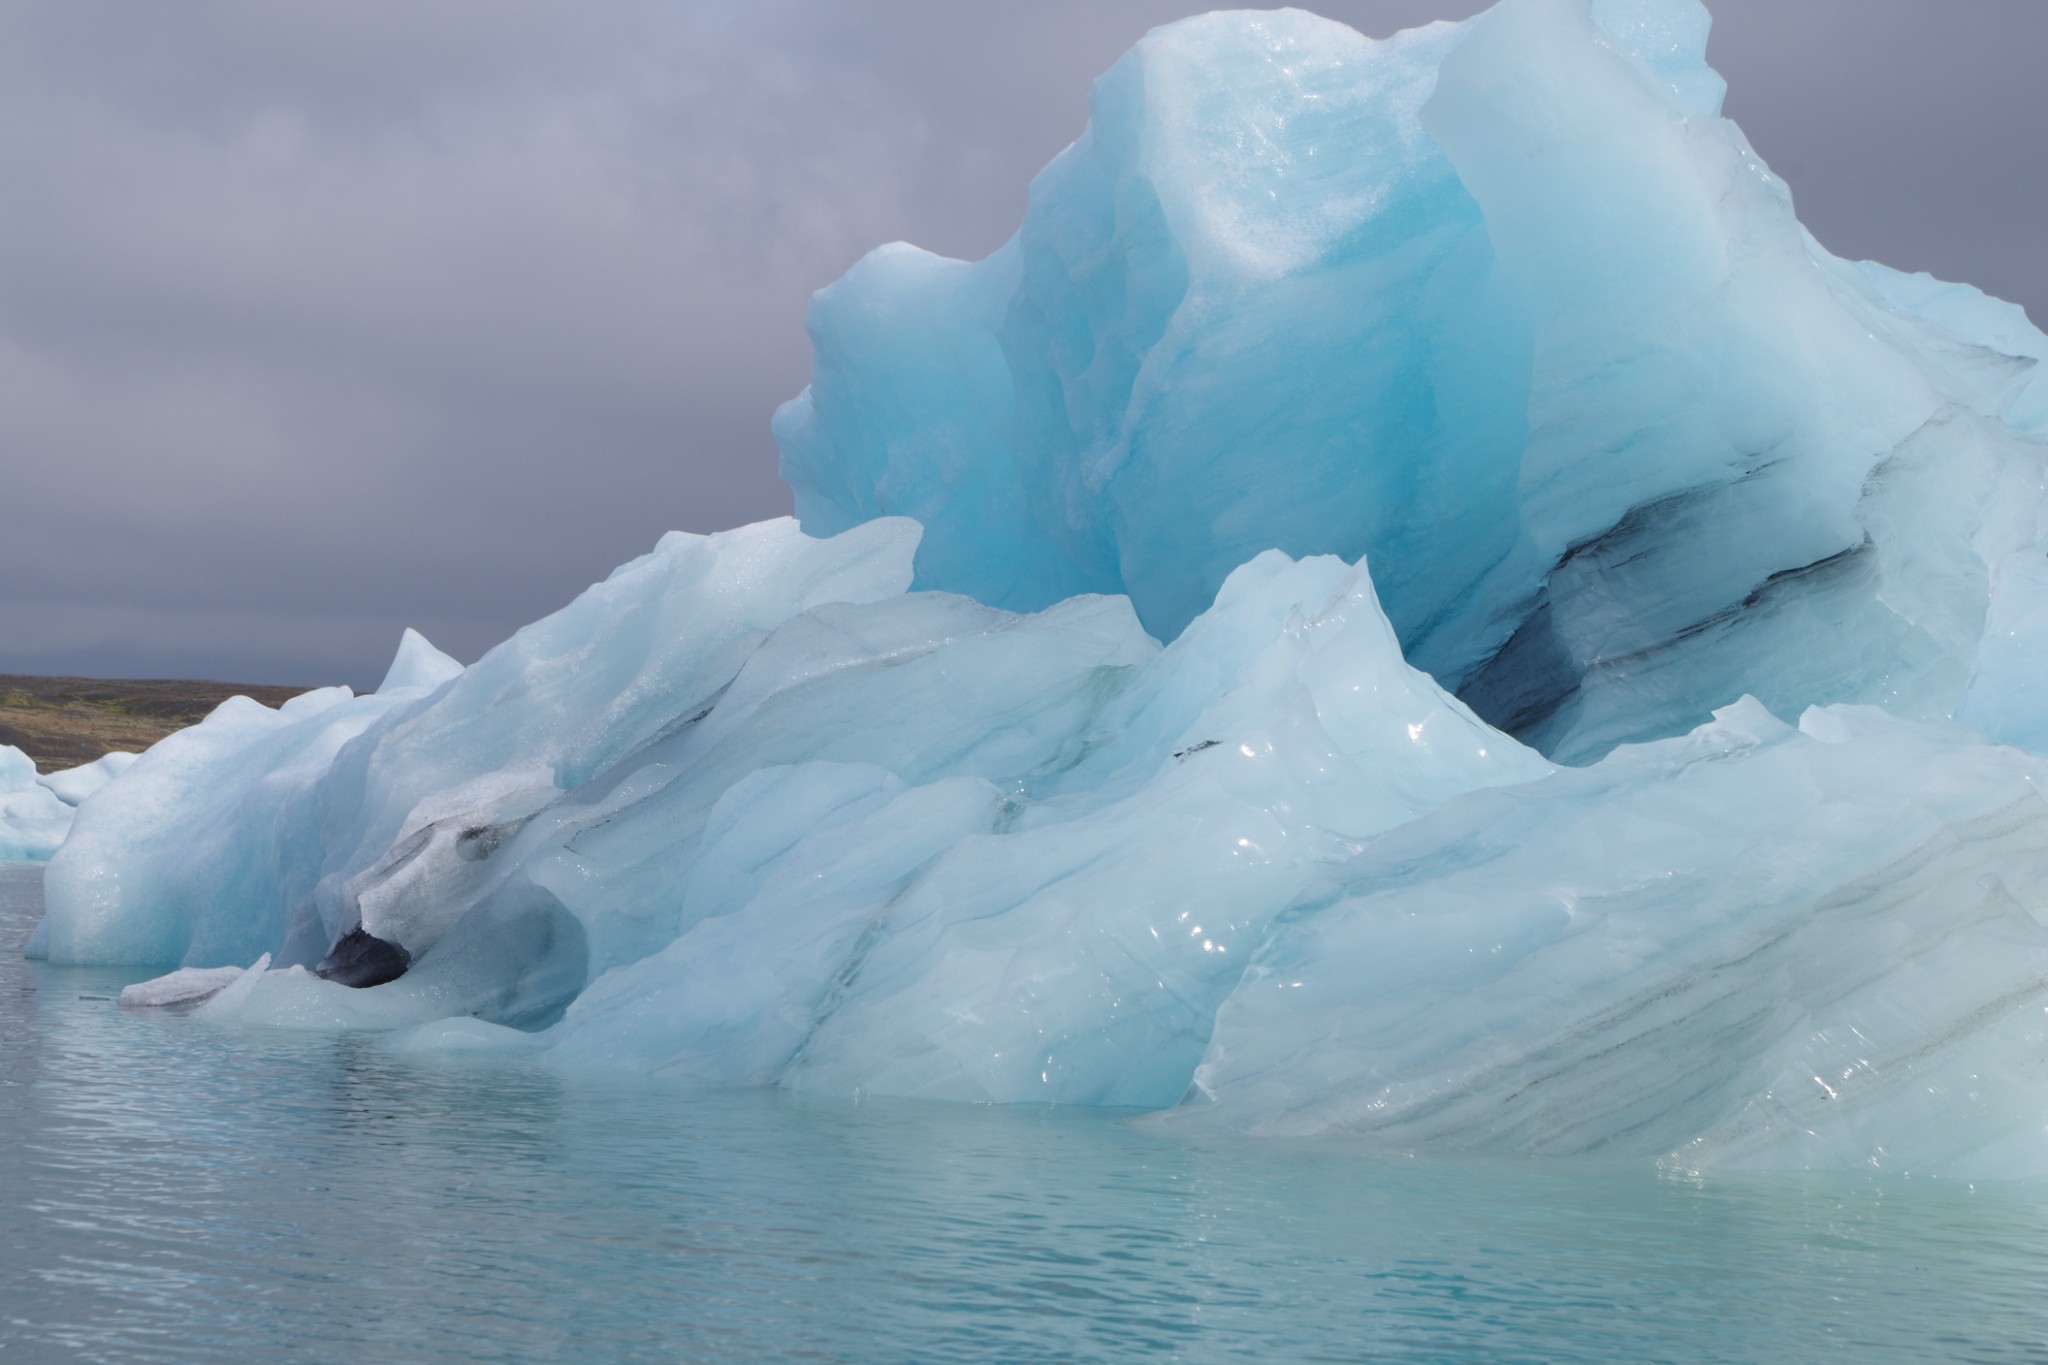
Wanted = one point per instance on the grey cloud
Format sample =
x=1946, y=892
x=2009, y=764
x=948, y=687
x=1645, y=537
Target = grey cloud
x=319, y=321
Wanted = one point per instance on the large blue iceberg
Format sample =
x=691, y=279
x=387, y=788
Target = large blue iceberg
x=1412, y=598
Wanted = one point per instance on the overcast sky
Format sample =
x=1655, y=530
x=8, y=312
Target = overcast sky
x=317, y=321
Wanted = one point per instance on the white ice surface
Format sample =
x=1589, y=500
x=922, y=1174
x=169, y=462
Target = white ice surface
x=73, y=785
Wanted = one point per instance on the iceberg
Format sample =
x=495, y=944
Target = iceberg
x=36, y=809
x=1411, y=599
x=33, y=820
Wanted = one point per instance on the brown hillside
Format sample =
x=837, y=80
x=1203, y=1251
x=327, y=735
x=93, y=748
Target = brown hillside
x=62, y=722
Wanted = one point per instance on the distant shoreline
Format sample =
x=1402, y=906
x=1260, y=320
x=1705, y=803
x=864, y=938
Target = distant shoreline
x=63, y=722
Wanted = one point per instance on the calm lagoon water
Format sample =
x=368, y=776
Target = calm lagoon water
x=174, y=1192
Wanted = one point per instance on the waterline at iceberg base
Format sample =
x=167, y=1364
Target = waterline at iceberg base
x=196, y=1194
x=1411, y=600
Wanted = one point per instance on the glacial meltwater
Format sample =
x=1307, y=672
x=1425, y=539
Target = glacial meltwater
x=184, y=1192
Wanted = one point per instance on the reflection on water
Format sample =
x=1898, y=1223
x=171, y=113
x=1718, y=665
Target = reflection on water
x=176, y=1192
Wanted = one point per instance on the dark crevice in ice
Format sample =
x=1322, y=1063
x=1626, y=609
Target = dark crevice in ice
x=359, y=958
x=1528, y=680
x=1531, y=682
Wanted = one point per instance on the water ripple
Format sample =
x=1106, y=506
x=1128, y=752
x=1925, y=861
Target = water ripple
x=179, y=1193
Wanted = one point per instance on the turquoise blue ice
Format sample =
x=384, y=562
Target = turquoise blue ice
x=1412, y=598
x=1502, y=307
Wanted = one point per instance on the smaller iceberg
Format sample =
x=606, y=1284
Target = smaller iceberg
x=33, y=819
